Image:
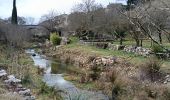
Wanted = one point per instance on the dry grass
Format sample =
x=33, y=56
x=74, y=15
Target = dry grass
x=121, y=80
x=150, y=70
x=10, y=97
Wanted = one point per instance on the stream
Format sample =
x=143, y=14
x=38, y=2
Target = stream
x=53, y=77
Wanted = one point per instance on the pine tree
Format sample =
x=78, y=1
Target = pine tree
x=14, y=13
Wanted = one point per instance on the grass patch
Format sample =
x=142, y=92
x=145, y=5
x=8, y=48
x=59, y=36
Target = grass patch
x=134, y=59
x=21, y=65
x=105, y=52
x=75, y=79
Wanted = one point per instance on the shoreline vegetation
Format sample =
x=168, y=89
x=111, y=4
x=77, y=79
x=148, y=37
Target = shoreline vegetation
x=119, y=51
x=122, y=79
x=22, y=67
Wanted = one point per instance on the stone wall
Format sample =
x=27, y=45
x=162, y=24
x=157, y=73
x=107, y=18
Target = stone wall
x=102, y=45
x=129, y=48
x=115, y=47
x=138, y=50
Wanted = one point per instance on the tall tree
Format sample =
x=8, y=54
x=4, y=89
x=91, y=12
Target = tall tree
x=14, y=13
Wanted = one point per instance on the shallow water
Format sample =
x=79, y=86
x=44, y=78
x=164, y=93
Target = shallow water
x=53, y=77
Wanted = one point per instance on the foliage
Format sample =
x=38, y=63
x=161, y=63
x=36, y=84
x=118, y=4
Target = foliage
x=44, y=88
x=80, y=96
x=132, y=1
x=51, y=91
x=26, y=79
x=14, y=13
x=55, y=39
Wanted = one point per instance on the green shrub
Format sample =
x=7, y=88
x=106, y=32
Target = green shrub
x=44, y=89
x=157, y=48
x=26, y=79
x=52, y=92
x=55, y=39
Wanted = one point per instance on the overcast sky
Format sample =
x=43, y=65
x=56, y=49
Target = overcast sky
x=37, y=8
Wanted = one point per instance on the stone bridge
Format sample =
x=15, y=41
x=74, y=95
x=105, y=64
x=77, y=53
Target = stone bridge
x=37, y=30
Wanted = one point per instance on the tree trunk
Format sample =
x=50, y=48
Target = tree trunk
x=137, y=42
x=141, y=42
x=151, y=43
x=121, y=41
x=160, y=37
x=168, y=38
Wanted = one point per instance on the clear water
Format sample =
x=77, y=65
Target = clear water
x=53, y=77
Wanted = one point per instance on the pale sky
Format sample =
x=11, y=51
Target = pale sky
x=37, y=8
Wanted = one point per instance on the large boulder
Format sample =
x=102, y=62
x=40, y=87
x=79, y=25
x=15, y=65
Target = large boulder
x=104, y=61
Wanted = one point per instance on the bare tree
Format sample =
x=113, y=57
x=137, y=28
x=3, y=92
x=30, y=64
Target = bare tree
x=14, y=35
x=82, y=17
x=142, y=20
x=86, y=6
x=20, y=20
x=49, y=20
x=17, y=35
x=30, y=20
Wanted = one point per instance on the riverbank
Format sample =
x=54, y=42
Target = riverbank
x=119, y=78
x=16, y=62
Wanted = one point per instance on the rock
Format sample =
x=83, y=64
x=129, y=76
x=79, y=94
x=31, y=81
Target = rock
x=30, y=98
x=2, y=73
x=168, y=80
x=11, y=78
x=165, y=82
x=138, y=50
x=19, y=86
x=25, y=92
x=104, y=61
x=167, y=76
x=33, y=54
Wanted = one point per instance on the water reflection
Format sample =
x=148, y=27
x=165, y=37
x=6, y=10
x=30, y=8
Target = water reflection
x=54, y=70
x=58, y=67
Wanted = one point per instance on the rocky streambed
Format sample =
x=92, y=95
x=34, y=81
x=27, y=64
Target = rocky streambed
x=53, y=77
x=15, y=87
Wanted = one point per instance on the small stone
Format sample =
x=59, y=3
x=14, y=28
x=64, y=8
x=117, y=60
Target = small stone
x=3, y=73
x=165, y=82
x=34, y=55
x=30, y=98
x=25, y=92
x=19, y=85
x=168, y=79
x=11, y=78
x=167, y=76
